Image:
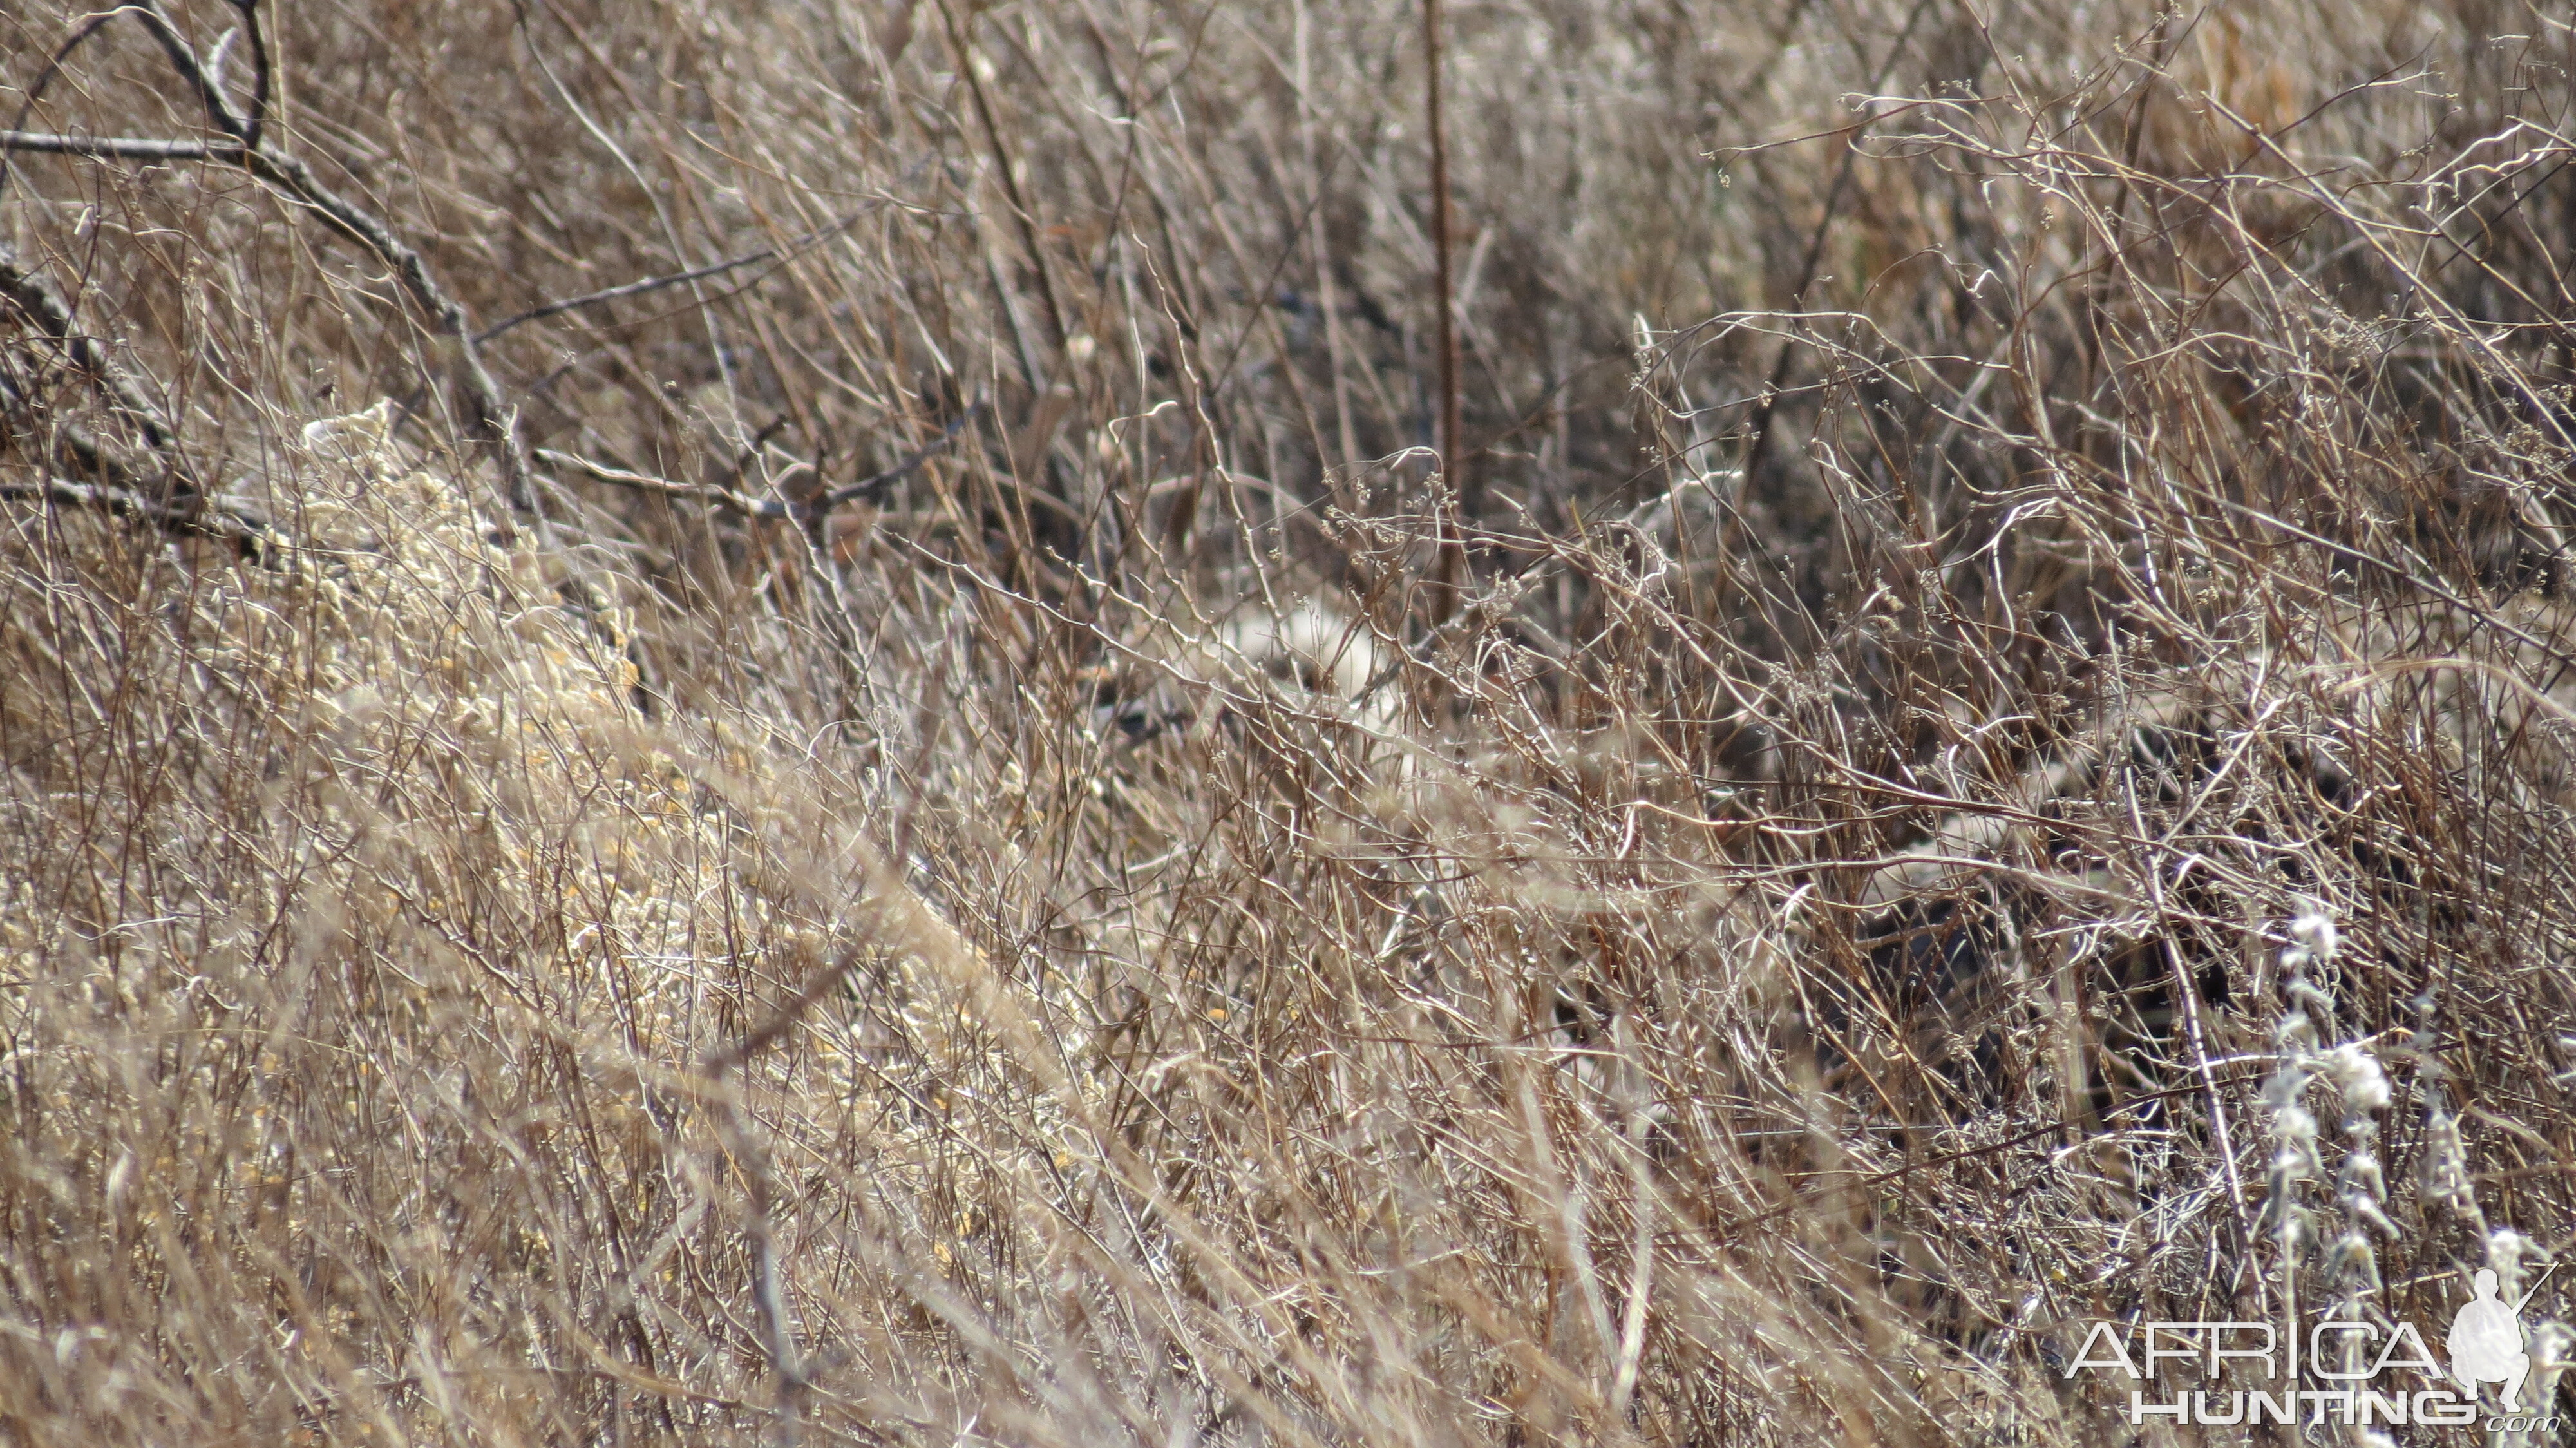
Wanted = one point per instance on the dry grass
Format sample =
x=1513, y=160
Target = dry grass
x=525, y=923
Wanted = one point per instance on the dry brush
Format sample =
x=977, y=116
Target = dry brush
x=782, y=725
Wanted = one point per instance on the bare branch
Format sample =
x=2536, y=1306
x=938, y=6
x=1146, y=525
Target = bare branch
x=193, y=517
x=262, y=68
x=742, y=504
x=1453, y=459
x=870, y=488
x=126, y=148
x=38, y=299
x=769, y=1290
x=674, y=279
x=183, y=59
x=489, y=415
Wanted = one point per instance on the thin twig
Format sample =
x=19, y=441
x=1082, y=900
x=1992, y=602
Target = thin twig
x=1771, y=388
x=745, y=505
x=674, y=279
x=778, y=1333
x=742, y=504
x=769, y=1286
x=871, y=487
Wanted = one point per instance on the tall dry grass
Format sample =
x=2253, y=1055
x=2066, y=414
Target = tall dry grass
x=896, y=837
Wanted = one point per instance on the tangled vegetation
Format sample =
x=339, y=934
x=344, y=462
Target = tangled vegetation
x=903, y=721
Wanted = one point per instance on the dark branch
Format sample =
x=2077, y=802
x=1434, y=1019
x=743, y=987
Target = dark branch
x=36, y=298
x=261, y=68
x=871, y=488
x=183, y=59
x=489, y=415
x=675, y=279
x=249, y=535
x=744, y=505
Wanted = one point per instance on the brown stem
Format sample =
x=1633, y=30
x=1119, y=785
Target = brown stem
x=1453, y=463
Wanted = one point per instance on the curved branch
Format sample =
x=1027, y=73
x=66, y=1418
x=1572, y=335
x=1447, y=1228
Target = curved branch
x=45, y=78
x=38, y=300
x=249, y=534
x=262, y=68
x=488, y=413
x=289, y=175
x=183, y=59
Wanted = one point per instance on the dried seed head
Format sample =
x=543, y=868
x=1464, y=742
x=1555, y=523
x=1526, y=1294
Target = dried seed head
x=2354, y=1255
x=2444, y=1167
x=2366, y=1212
x=2313, y=938
x=2507, y=1250
x=2356, y=1070
x=2283, y=1088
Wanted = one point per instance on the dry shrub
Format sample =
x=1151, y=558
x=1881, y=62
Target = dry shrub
x=892, y=836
